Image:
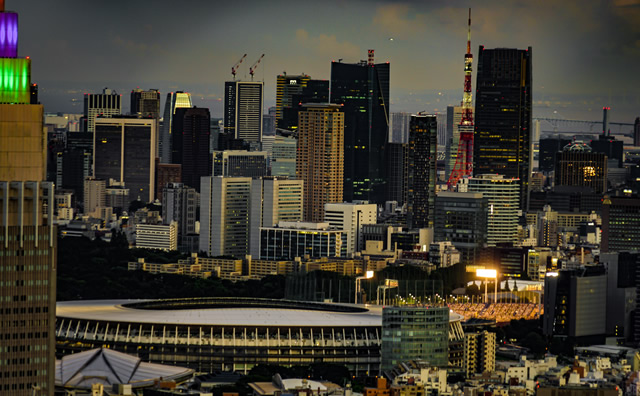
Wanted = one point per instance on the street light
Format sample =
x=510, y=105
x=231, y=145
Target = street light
x=368, y=275
x=488, y=274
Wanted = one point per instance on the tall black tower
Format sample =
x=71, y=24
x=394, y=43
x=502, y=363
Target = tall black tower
x=502, y=136
x=363, y=90
x=190, y=145
x=421, y=171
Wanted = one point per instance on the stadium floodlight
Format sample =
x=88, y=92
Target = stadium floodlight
x=367, y=275
x=488, y=274
x=554, y=274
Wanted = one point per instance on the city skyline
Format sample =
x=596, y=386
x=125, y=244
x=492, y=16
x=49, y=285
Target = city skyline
x=585, y=53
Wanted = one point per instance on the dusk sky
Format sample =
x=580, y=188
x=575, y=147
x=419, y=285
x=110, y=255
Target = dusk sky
x=585, y=53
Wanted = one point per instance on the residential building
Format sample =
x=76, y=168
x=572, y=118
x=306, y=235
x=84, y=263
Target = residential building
x=320, y=157
x=273, y=200
x=106, y=104
x=243, y=102
x=479, y=353
x=363, y=91
x=502, y=196
x=240, y=163
x=414, y=332
x=157, y=236
x=351, y=218
x=175, y=100
x=225, y=204
x=289, y=240
x=125, y=150
x=421, y=171
x=502, y=137
x=190, y=144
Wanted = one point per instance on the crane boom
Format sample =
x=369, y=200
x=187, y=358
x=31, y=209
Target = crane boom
x=253, y=68
x=234, y=68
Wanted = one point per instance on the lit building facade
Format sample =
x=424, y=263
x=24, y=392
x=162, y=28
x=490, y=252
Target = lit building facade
x=106, y=104
x=240, y=163
x=292, y=92
x=502, y=137
x=620, y=224
x=578, y=166
x=299, y=239
x=421, y=171
x=411, y=333
x=320, y=157
x=479, y=353
x=224, y=215
x=145, y=103
x=363, y=90
x=125, y=151
x=175, y=100
x=351, y=218
x=157, y=236
x=243, y=102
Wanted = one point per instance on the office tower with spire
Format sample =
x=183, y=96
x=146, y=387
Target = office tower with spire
x=190, y=144
x=502, y=139
x=421, y=171
x=106, y=104
x=145, y=103
x=363, y=91
x=28, y=238
x=243, y=101
x=292, y=91
x=175, y=100
x=320, y=157
x=463, y=131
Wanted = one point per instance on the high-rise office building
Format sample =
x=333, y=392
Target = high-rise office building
x=294, y=91
x=145, y=103
x=503, y=203
x=421, y=171
x=166, y=173
x=454, y=117
x=190, y=144
x=549, y=147
x=106, y=104
x=28, y=237
x=180, y=204
x=319, y=161
x=479, y=353
x=175, y=100
x=283, y=156
x=363, y=90
x=502, y=139
x=415, y=332
x=397, y=172
x=125, y=151
x=351, y=218
x=620, y=224
x=462, y=220
x=399, y=127
x=225, y=205
x=273, y=200
x=243, y=101
x=95, y=194
x=240, y=163
x=289, y=240
x=578, y=166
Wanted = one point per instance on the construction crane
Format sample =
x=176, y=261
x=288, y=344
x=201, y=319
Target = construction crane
x=234, y=69
x=464, y=160
x=252, y=69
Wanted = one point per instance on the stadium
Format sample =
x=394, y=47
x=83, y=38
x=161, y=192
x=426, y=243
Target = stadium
x=209, y=334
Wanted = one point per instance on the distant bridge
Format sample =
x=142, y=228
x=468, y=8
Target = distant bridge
x=563, y=126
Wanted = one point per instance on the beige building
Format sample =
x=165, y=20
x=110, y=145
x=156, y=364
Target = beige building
x=479, y=353
x=95, y=194
x=320, y=157
x=22, y=142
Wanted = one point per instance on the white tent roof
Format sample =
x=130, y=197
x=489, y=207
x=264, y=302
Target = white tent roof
x=108, y=367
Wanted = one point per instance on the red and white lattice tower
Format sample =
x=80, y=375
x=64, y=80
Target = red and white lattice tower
x=464, y=159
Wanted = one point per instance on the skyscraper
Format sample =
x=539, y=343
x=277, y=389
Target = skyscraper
x=578, y=166
x=243, y=101
x=502, y=139
x=421, y=171
x=125, y=151
x=294, y=91
x=454, y=116
x=28, y=238
x=190, y=144
x=180, y=204
x=399, y=127
x=620, y=224
x=319, y=161
x=108, y=103
x=240, y=163
x=224, y=215
x=175, y=100
x=363, y=90
x=145, y=103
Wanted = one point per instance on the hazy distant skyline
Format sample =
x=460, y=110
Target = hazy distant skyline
x=585, y=53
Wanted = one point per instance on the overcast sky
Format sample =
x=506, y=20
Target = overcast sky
x=586, y=53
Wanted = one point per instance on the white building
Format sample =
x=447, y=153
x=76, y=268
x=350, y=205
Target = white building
x=273, y=200
x=351, y=217
x=224, y=215
x=157, y=236
x=503, y=202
